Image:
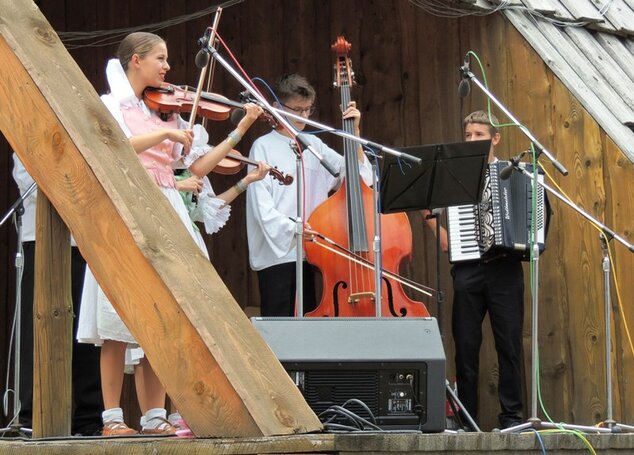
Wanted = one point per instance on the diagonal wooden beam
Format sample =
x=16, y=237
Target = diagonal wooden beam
x=216, y=368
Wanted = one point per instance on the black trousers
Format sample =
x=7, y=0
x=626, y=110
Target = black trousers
x=85, y=368
x=277, y=290
x=495, y=287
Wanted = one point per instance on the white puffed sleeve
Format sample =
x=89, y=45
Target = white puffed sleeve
x=200, y=145
x=211, y=210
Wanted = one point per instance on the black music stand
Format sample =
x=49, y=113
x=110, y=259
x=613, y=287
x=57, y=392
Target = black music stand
x=450, y=174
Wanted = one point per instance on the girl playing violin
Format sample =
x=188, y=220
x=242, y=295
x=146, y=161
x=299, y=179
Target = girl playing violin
x=159, y=143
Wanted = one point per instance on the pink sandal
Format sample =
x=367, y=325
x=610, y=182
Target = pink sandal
x=183, y=430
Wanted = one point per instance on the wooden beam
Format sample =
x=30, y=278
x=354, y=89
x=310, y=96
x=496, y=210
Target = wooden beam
x=53, y=325
x=216, y=368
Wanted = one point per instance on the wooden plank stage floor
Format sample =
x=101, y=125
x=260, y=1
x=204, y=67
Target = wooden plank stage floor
x=391, y=443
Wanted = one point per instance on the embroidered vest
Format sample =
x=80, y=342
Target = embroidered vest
x=157, y=160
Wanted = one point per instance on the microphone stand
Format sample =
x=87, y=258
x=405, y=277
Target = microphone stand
x=468, y=75
x=299, y=234
x=281, y=117
x=609, y=421
x=17, y=210
x=535, y=422
x=376, y=244
x=440, y=296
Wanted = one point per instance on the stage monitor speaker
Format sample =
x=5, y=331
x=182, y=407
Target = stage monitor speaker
x=396, y=366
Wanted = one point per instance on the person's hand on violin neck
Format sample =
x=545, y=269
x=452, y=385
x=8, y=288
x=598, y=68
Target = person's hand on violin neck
x=258, y=173
x=252, y=113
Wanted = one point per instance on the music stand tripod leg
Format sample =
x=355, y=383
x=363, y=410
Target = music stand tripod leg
x=534, y=421
x=609, y=421
x=17, y=210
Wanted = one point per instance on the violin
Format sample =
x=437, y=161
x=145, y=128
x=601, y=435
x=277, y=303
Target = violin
x=235, y=161
x=169, y=99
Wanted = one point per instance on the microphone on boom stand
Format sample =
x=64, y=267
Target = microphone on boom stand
x=464, y=88
x=515, y=160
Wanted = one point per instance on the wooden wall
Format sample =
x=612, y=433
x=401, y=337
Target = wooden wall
x=406, y=64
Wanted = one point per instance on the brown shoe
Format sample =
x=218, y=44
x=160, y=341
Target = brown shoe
x=117, y=428
x=165, y=428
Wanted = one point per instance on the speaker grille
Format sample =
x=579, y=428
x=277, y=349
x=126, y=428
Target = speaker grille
x=326, y=388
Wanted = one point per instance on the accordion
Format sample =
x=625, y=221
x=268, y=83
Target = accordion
x=500, y=225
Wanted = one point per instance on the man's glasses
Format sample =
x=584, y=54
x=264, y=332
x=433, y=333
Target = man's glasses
x=301, y=110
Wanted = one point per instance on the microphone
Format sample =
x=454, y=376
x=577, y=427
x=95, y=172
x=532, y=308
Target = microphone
x=202, y=57
x=246, y=97
x=507, y=171
x=321, y=159
x=464, y=88
x=237, y=115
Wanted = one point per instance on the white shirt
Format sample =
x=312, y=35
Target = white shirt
x=271, y=207
x=24, y=181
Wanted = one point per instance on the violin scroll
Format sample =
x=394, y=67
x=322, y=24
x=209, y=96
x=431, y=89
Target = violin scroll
x=283, y=179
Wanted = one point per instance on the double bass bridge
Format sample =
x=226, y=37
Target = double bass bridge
x=357, y=297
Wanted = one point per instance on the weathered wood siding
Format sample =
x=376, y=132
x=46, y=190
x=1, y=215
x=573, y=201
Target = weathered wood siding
x=406, y=64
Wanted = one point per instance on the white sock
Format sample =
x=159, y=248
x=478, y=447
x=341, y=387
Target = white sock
x=174, y=418
x=142, y=421
x=112, y=415
x=151, y=420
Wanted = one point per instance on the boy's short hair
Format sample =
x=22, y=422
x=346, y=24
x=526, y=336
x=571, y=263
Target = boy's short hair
x=483, y=118
x=293, y=85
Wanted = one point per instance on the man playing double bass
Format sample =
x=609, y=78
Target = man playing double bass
x=272, y=208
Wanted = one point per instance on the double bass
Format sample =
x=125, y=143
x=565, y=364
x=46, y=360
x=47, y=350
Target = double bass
x=346, y=218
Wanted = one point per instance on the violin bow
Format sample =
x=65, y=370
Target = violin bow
x=342, y=251
x=212, y=62
x=203, y=70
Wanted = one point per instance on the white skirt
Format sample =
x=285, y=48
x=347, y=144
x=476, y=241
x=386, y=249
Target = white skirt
x=98, y=320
